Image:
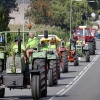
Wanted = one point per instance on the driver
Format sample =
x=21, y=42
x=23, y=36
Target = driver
x=15, y=48
x=32, y=44
x=44, y=46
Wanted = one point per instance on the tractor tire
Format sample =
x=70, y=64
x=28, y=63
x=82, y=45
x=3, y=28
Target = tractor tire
x=95, y=45
x=92, y=48
x=87, y=56
x=76, y=61
x=40, y=64
x=35, y=87
x=50, y=77
x=64, y=62
x=59, y=73
x=2, y=92
x=52, y=74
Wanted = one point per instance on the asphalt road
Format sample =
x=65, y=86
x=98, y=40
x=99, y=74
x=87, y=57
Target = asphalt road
x=80, y=83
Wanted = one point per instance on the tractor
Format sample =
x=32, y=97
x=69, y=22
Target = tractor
x=63, y=53
x=85, y=33
x=15, y=73
x=93, y=35
x=72, y=52
x=53, y=60
x=83, y=50
x=3, y=54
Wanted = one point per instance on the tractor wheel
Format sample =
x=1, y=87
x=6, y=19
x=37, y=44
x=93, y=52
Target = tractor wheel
x=40, y=64
x=87, y=56
x=36, y=91
x=92, y=48
x=50, y=77
x=95, y=45
x=2, y=92
x=76, y=61
x=52, y=74
x=64, y=62
x=59, y=73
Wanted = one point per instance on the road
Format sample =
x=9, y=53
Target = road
x=80, y=83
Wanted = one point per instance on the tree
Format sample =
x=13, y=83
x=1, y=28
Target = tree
x=40, y=11
x=6, y=6
x=57, y=12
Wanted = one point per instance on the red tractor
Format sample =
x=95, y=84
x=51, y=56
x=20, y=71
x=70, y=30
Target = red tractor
x=63, y=54
x=86, y=35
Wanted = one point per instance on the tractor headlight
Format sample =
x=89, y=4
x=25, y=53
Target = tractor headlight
x=8, y=71
x=8, y=68
x=18, y=70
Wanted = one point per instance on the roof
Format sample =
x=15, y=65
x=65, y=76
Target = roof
x=50, y=38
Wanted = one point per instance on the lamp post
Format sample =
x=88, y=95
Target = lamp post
x=71, y=16
x=23, y=21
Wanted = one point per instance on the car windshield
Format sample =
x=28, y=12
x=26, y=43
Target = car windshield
x=80, y=32
x=86, y=32
x=93, y=33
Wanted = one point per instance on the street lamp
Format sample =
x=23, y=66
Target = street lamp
x=71, y=16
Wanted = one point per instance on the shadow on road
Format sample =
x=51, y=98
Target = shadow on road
x=23, y=97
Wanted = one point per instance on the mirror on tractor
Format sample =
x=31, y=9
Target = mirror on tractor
x=45, y=34
x=1, y=39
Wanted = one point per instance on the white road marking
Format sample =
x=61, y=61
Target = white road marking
x=70, y=83
x=60, y=91
x=80, y=72
x=75, y=78
x=78, y=77
x=67, y=85
x=85, y=68
x=51, y=98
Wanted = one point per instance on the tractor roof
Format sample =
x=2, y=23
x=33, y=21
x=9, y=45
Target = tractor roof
x=51, y=38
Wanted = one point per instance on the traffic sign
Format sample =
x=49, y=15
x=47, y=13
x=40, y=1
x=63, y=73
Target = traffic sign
x=93, y=14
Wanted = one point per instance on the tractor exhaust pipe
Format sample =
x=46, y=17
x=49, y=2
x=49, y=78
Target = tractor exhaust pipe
x=19, y=42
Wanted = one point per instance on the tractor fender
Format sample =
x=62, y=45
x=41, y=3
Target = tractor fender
x=62, y=49
x=34, y=72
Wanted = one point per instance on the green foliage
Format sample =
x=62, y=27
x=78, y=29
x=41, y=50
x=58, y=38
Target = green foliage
x=57, y=12
x=6, y=6
x=40, y=12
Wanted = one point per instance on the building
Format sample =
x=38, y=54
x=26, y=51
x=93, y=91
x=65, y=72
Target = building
x=19, y=18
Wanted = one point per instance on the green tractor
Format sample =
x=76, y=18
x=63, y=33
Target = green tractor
x=3, y=54
x=17, y=75
x=83, y=50
x=52, y=59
